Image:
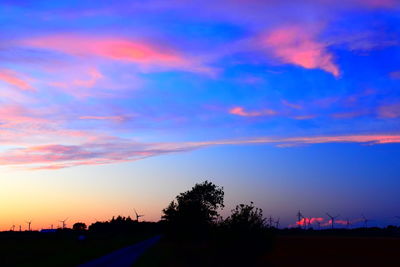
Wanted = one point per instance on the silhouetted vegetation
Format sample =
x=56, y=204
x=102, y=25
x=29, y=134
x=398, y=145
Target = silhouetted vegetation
x=79, y=226
x=195, y=210
x=246, y=218
x=197, y=231
x=125, y=225
x=70, y=247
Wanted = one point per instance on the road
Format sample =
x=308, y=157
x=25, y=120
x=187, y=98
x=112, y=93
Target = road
x=123, y=257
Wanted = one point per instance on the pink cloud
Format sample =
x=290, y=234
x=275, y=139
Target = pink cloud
x=306, y=221
x=298, y=46
x=291, y=105
x=350, y=114
x=24, y=126
x=13, y=78
x=11, y=115
x=119, y=49
x=304, y=117
x=395, y=75
x=317, y=220
x=342, y=222
x=84, y=82
x=114, y=150
x=93, y=76
x=378, y=3
x=239, y=111
x=390, y=111
x=111, y=118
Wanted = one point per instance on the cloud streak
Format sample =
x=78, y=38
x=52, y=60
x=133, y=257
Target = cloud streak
x=15, y=79
x=240, y=111
x=390, y=111
x=119, y=118
x=145, y=54
x=114, y=150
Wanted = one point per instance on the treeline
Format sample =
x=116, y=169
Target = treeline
x=126, y=225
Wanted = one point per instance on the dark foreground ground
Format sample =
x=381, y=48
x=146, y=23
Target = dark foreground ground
x=333, y=251
x=287, y=250
x=59, y=249
x=282, y=248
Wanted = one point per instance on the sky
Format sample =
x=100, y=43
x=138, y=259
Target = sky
x=107, y=107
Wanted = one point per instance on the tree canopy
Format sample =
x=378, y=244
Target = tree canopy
x=196, y=207
x=246, y=217
x=79, y=226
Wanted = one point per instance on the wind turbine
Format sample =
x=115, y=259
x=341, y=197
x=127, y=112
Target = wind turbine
x=138, y=216
x=332, y=218
x=63, y=223
x=348, y=224
x=309, y=222
x=299, y=217
x=29, y=225
x=365, y=221
x=277, y=223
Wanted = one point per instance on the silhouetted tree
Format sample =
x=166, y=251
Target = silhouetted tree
x=196, y=208
x=246, y=236
x=246, y=217
x=79, y=226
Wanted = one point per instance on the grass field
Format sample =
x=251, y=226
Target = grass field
x=58, y=249
x=289, y=250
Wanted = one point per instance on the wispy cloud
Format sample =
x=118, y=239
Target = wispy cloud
x=390, y=111
x=378, y=3
x=13, y=114
x=114, y=150
x=299, y=46
x=117, y=118
x=350, y=114
x=291, y=105
x=15, y=79
x=395, y=75
x=240, y=111
x=147, y=55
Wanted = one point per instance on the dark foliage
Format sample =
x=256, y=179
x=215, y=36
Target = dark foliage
x=79, y=226
x=194, y=223
x=125, y=225
x=196, y=209
x=244, y=234
x=246, y=218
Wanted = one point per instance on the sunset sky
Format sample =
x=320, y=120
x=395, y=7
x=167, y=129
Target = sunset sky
x=107, y=106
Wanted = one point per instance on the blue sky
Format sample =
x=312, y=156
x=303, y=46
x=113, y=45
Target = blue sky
x=291, y=104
